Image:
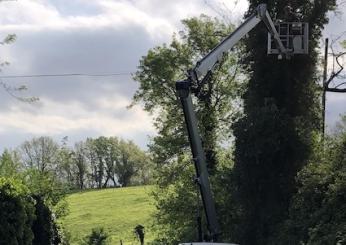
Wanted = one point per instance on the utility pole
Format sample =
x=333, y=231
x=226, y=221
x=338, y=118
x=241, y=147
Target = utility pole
x=324, y=87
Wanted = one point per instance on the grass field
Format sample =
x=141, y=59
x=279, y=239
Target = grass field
x=117, y=210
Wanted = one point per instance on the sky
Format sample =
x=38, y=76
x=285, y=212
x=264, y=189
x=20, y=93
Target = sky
x=95, y=37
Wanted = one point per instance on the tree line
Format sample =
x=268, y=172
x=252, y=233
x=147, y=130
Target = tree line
x=94, y=163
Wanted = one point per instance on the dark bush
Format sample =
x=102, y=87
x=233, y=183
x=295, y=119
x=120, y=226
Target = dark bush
x=16, y=213
x=97, y=237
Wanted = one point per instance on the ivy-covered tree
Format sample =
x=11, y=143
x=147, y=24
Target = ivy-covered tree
x=275, y=137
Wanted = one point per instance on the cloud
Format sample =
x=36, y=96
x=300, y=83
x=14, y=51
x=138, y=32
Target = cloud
x=27, y=15
x=90, y=36
x=158, y=17
x=335, y=107
x=55, y=118
x=58, y=38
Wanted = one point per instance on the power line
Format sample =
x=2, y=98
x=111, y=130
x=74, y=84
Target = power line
x=70, y=75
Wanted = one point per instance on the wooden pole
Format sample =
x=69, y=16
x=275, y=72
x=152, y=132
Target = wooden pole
x=324, y=87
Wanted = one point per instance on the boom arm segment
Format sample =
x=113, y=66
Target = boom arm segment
x=199, y=159
x=208, y=62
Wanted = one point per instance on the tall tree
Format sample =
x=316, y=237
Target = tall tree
x=112, y=154
x=275, y=137
x=157, y=73
x=40, y=153
x=92, y=162
x=9, y=164
x=106, y=152
x=129, y=162
x=99, y=147
x=64, y=163
x=80, y=164
x=144, y=168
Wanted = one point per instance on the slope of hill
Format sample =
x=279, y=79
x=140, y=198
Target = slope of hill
x=118, y=211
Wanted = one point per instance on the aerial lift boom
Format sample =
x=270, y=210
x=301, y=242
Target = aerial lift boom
x=199, y=74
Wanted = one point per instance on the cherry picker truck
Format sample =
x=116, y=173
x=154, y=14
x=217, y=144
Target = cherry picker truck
x=285, y=40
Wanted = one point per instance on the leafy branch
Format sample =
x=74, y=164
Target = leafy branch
x=13, y=90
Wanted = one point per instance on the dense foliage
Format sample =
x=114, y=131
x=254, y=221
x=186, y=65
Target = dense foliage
x=17, y=213
x=41, y=192
x=45, y=228
x=276, y=136
x=317, y=213
x=216, y=105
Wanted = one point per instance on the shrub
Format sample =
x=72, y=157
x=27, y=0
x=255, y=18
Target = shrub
x=97, y=237
x=16, y=213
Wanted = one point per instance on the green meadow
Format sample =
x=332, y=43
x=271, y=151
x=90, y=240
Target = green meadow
x=117, y=210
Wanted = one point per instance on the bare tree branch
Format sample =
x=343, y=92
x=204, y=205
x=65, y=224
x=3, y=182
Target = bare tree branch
x=336, y=74
x=340, y=84
x=336, y=90
x=222, y=10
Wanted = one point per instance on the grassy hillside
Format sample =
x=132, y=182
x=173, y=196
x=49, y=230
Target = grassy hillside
x=117, y=210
